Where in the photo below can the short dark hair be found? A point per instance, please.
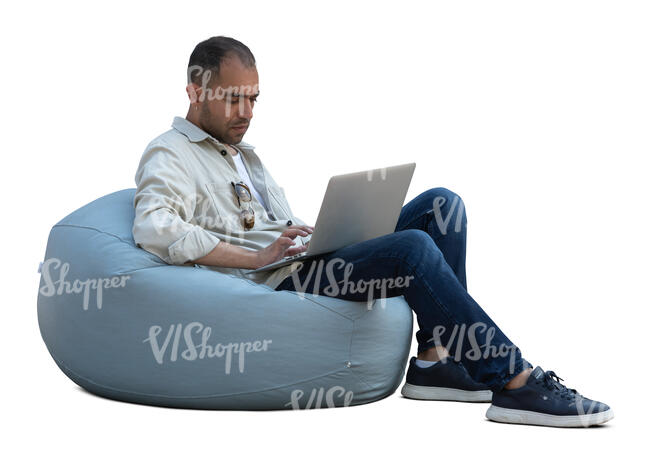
(209, 54)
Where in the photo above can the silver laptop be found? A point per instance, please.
(357, 207)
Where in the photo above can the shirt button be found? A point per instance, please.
(289, 222)
(223, 152)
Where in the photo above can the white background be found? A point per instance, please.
(536, 113)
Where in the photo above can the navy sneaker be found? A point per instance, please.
(447, 380)
(544, 401)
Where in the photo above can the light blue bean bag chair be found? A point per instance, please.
(123, 324)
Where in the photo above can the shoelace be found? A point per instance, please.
(552, 382)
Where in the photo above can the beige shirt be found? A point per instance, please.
(185, 202)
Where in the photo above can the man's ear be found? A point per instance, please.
(193, 92)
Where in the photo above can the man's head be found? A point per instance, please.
(222, 85)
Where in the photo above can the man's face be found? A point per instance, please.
(226, 107)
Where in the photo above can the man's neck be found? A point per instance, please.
(231, 149)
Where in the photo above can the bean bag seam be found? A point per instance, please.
(129, 392)
(313, 301)
(352, 372)
(95, 229)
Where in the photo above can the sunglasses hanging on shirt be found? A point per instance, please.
(244, 198)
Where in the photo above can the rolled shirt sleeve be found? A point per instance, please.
(165, 202)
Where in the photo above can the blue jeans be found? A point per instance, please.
(424, 261)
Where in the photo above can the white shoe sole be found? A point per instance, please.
(445, 394)
(503, 415)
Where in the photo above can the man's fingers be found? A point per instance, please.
(294, 232)
(306, 228)
(295, 250)
(285, 241)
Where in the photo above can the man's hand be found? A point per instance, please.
(281, 247)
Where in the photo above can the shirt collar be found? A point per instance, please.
(196, 134)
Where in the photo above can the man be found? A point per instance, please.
(204, 198)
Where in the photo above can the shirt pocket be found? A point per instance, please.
(223, 209)
(280, 204)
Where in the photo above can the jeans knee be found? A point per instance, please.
(447, 207)
(447, 196)
(415, 241)
(411, 249)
